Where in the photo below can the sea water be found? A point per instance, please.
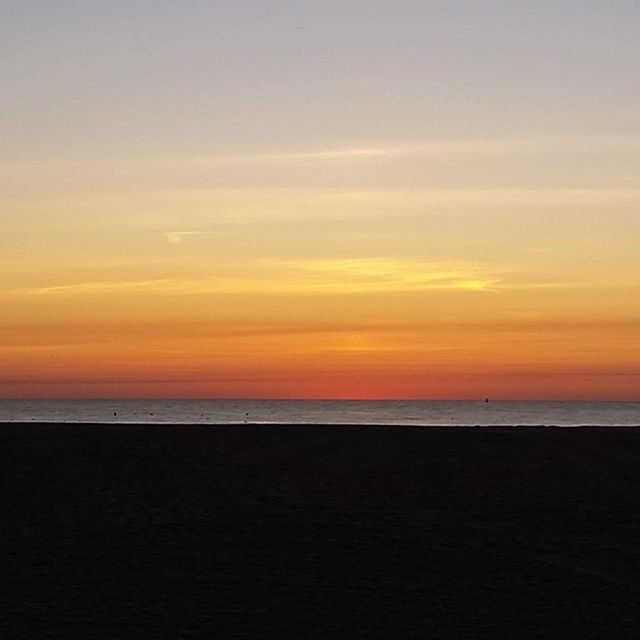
(381, 412)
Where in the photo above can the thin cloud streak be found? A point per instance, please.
(379, 149)
(318, 276)
(490, 146)
(357, 275)
(177, 237)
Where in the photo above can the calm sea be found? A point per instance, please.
(434, 413)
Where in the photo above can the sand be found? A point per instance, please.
(319, 532)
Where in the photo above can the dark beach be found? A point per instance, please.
(124, 531)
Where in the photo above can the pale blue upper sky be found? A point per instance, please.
(155, 77)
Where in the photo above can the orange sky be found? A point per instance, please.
(336, 207)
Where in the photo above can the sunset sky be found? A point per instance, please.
(319, 199)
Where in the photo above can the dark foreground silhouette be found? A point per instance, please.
(319, 532)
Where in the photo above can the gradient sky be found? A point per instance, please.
(354, 199)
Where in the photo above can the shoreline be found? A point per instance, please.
(312, 425)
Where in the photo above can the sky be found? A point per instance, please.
(319, 199)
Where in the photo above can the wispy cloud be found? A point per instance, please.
(322, 276)
(493, 198)
(389, 274)
(95, 287)
(444, 147)
(335, 276)
(553, 143)
(340, 153)
(176, 237)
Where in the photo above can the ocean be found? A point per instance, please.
(327, 412)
